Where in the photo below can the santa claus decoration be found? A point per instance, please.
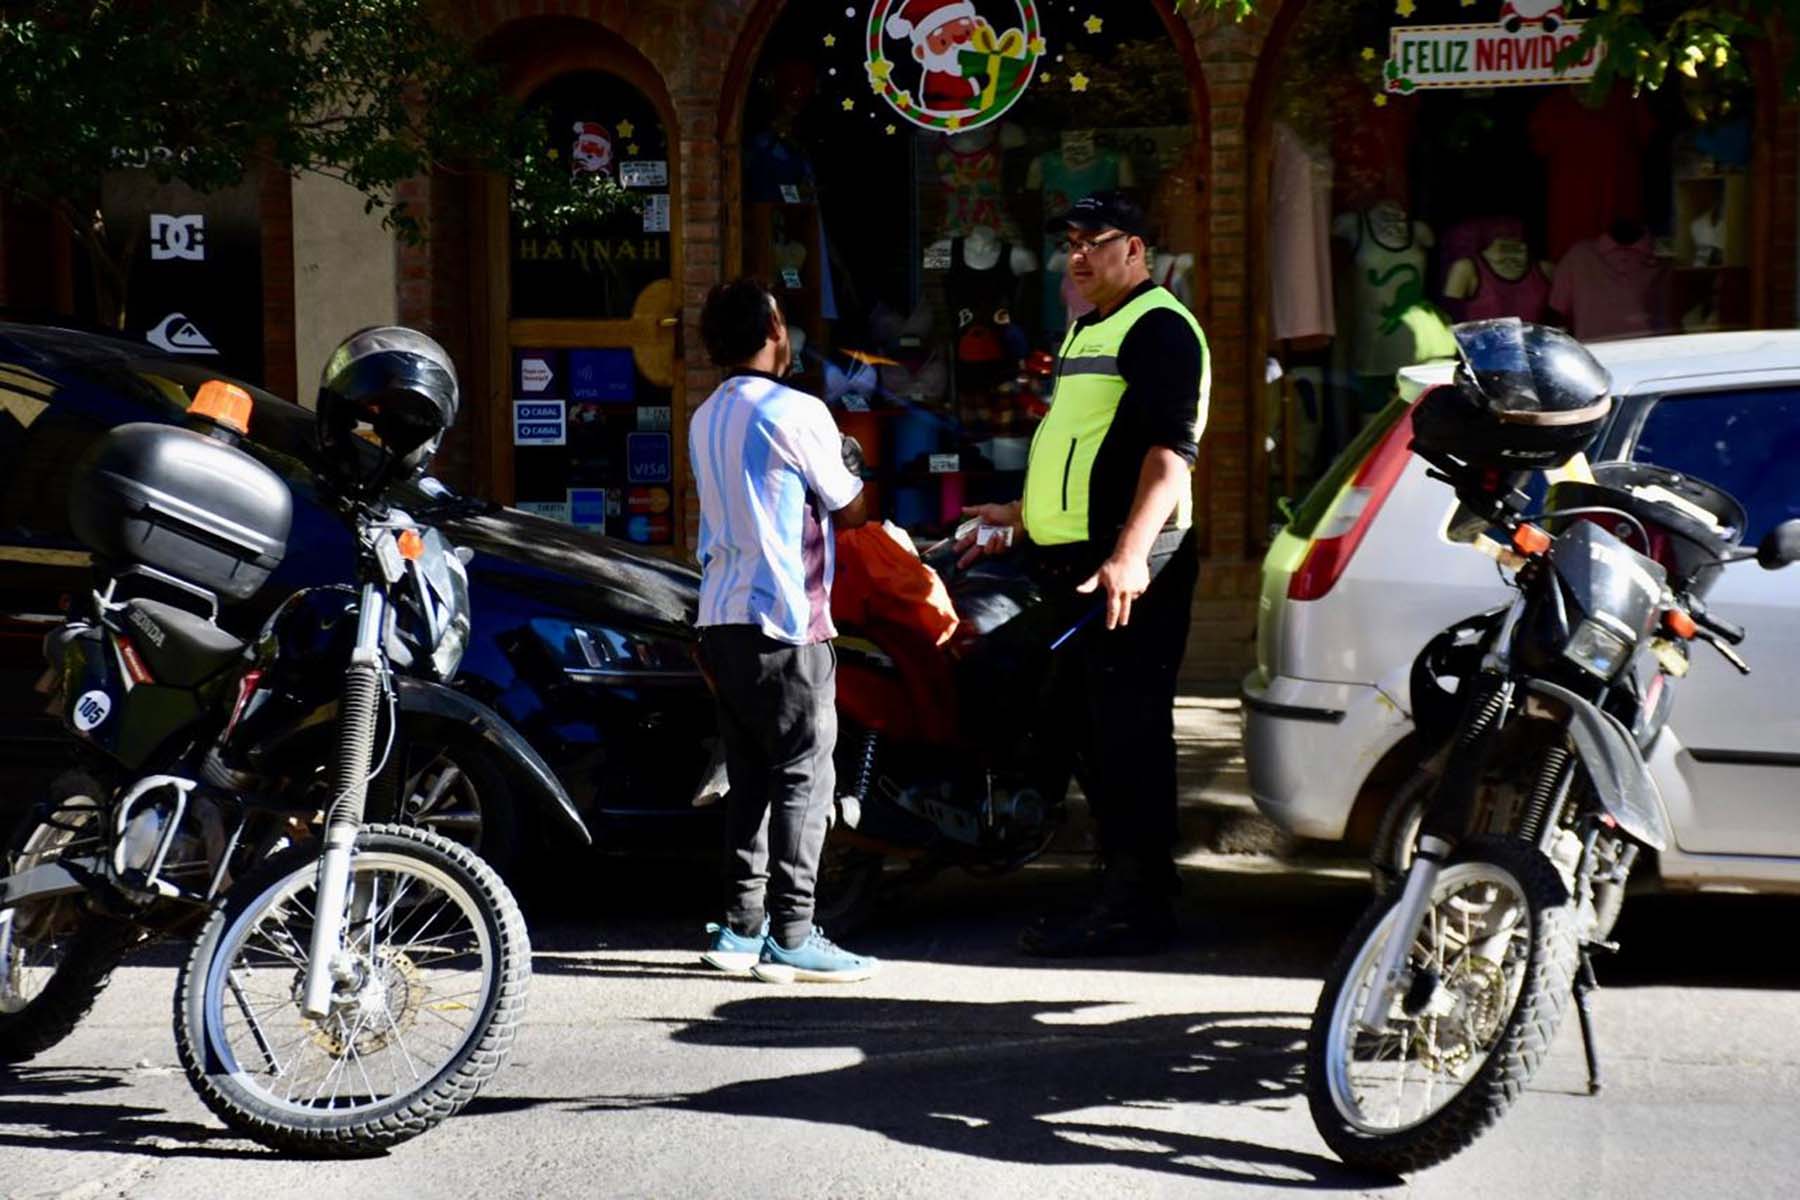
(940, 30)
(593, 151)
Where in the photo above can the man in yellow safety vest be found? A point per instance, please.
(1108, 514)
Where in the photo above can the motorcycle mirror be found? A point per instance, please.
(1780, 546)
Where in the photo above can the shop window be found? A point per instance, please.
(899, 163)
(1431, 169)
(591, 378)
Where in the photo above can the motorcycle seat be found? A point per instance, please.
(180, 648)
(988, 594)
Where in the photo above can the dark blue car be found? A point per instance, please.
(582, 643)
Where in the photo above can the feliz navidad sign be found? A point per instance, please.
(946, 65)
(1520, 49)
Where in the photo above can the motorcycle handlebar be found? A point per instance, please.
(1730, 631)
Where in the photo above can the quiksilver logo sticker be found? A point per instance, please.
(93, 708)
(178, 335)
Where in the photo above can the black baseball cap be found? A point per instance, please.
(1102, 210)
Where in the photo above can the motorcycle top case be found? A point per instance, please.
(184, 503)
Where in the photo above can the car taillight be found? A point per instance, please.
(1342, 532)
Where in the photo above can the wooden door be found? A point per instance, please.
(585, 348)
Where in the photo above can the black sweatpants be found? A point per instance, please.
(778, 717)
(1114, 692)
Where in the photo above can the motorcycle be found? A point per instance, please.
(947, 755)
(1452, 985)
(350, 984)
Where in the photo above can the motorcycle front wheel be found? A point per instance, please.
(430, 992)
(1490, 974)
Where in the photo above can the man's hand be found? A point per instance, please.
(1125, 578)
(969, 549)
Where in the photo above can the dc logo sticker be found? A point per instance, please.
(942, 65)
(177, 237)
(93, 708)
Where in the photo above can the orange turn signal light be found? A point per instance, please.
(1680, 624)
(412, 546)
(224, 404)
(1529, 540)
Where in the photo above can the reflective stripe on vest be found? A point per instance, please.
(1088, 390)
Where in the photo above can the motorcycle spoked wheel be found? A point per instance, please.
(439, 970)
(58, 955)
(1493, 968)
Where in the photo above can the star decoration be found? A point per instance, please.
(626, 129)
(849, 104)
(1093, 25)
(1078, 82)
(632, 149)
(880, 69)
(553, 154)
(1380, 100)
(1038, 45)
(904, 100)
(1048, 76)
(1405, 8)
(1368, 53)
(954, 122)
(891, 131)
(830, 39)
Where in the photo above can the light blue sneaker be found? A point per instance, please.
(817, 960)
(732, 952)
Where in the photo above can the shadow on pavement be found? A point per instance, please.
(1234, 922)
(1021, 1082)
(1231, 924)
(1704, 941)
(91, 1126)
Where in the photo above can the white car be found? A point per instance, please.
(1364, 576)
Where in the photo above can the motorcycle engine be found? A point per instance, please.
(149, 859)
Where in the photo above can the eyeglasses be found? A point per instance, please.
(1072, 246)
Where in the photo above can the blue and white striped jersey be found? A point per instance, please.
(770, 472)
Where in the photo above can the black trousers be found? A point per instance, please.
(778, 717)
(1113, 696)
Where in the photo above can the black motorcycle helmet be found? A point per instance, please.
(400, 386)
(1525, 397)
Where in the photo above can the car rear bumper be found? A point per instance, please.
(1309, 746)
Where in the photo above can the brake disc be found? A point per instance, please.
(1450, 1042)
(385, 1006)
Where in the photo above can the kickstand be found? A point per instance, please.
(1586, 984)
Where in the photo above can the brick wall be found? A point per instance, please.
(1220, 647)
(1784, 241)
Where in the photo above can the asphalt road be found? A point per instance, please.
(967, 1070)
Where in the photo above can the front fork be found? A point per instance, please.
(329, 962)
(1449, 815)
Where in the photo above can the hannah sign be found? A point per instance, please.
(1513, 52)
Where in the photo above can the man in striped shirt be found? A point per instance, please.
(769, 465)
